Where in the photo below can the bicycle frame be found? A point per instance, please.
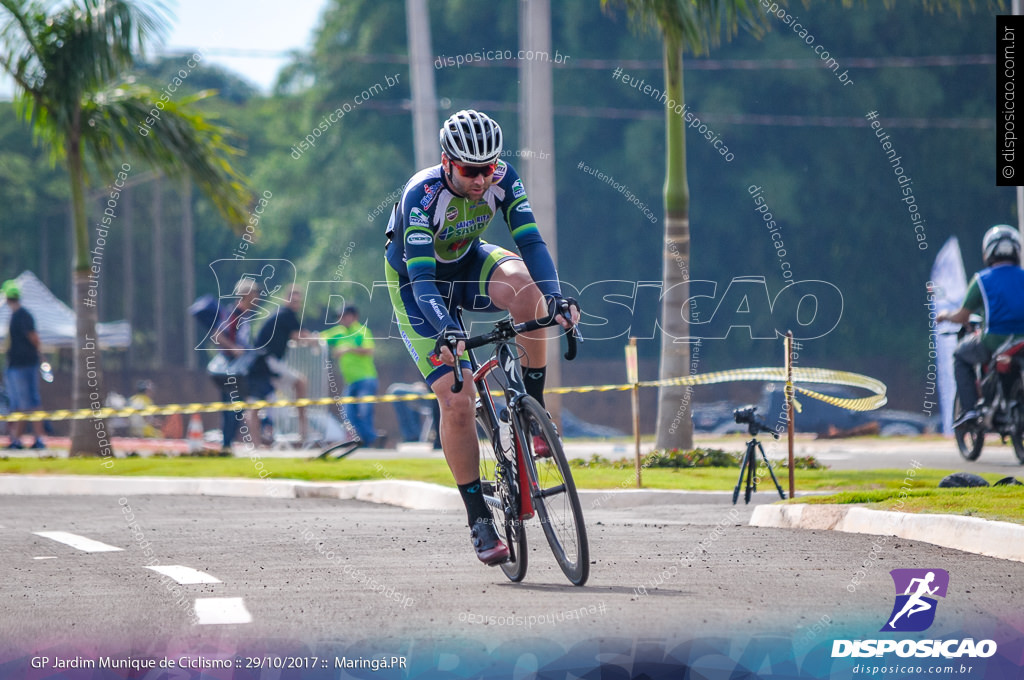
(506, 362)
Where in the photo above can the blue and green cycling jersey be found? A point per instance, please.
(433, 229)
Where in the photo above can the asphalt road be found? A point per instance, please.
(308, 573)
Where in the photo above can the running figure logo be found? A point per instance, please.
(914, 609)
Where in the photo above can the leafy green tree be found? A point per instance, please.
(695, 25)
(67, 62)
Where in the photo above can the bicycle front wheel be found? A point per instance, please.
(504, 504)
(553, 491)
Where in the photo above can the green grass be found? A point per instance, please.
(350, 469)
(436, 471)
(873, 488)
(1003, 503)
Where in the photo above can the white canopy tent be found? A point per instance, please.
(55, 321)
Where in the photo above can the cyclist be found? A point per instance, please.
(435, 260)
(999, 290)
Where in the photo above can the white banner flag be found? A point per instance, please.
(948, 286)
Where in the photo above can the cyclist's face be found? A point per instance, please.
(470, 187)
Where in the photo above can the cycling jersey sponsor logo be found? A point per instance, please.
(435, 360)
(464, 228)
(456, 246)
(499, 172)
(429, 192)
(451, 214)
(517, 189)
(524, 207)
(437, 309)
(419, 218)
(418, 238)
(408, 345)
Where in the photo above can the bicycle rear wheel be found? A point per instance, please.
(554, 492)
(504, 503)
(970, 437)
(1016, 416)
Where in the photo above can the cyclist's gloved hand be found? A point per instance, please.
(565, 307)
(449, 338)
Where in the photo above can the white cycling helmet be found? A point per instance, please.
(471, 137)
(1001, 243)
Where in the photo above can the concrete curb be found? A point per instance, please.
(406, 494)
(969, 534)
(401, 493)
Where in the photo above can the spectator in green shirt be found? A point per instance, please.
(351, 344)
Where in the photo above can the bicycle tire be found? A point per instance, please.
(346, 449)
(504, 504)
(970, 437)
(1017, 421)
(554, 492)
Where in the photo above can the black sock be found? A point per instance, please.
(533, 379)
(476, 506)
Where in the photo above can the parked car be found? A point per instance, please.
(814, 416)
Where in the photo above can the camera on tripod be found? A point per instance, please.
(748, 415)
(755, 424)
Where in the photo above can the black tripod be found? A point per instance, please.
(749, 463)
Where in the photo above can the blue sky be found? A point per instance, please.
(225, 28)
(249, 38)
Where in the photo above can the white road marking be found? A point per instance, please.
(50, 557)
(78, 542)
(185, 575)
(221, 610)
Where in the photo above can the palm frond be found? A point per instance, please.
(697, 25)
(127, 119)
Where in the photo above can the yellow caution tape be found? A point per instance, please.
(807, 375)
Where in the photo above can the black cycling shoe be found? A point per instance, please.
(489, 548)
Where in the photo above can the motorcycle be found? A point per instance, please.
(1001, 409)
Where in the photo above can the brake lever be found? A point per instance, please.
(457, 368)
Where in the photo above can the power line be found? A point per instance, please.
(765, 120)
(942, 60)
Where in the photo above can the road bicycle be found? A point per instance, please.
(517, 483)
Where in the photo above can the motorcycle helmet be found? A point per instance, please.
(1001, 244)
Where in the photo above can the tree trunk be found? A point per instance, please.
(675, 427)
(87, 379)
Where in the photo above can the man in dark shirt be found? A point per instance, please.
(22, 375)
(272, 373)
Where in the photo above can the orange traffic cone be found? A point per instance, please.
(195, 433)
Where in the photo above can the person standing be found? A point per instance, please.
(272, 373)
(351, 343)
(234, 339)
(22, 375)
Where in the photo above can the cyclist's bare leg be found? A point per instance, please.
(512, 289)
(458, 427)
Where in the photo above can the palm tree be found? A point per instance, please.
(69, 64)
(692, 25)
